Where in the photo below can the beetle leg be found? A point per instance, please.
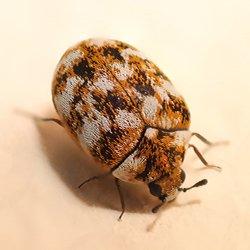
(93, 178)
(117, 183)
(202, 158)
(52, 120)
(206, 141)
(156, 208)
(202, 138)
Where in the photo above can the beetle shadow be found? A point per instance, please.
(173, 204)
(73, 167)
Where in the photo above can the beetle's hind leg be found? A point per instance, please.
(198, 153)
(94, 178)
(52, 120)
(117, 183)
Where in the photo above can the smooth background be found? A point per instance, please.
(203, 46)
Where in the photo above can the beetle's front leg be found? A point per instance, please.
(197, 152)
(156, 208)
(206, 141)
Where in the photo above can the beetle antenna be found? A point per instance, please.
(197, 184)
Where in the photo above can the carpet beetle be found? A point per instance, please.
(123, 111)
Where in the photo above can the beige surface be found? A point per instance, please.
(203, 46)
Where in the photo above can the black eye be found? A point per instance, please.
(155, 189)
(183, 176)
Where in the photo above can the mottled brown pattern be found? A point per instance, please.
(163, 156)
(140, 85)
(88, 101)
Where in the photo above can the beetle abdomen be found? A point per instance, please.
(107, 93)
(94, 107)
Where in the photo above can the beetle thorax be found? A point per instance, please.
(157, 155)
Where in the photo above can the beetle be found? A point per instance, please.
(125, 113)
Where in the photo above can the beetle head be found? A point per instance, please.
(166, 188)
